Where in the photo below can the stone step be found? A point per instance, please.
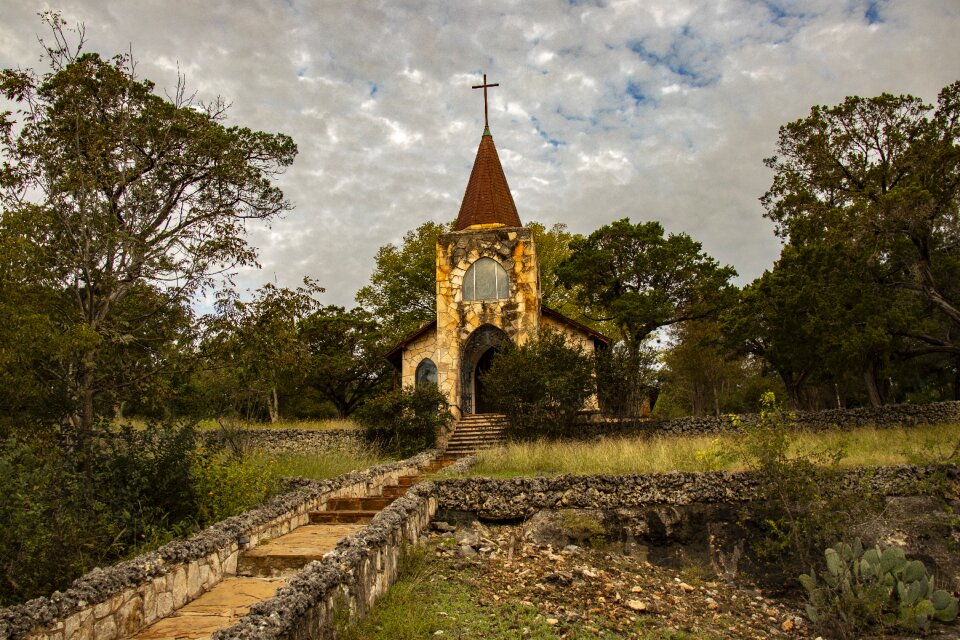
(394, 490)
(408, 481)
(290, 552)
(462, 440)
(220, 607)
(369, 503)
(347, 516)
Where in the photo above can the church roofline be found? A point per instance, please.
(395, 355)
(592, 333)
(487, 199)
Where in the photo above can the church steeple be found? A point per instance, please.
(487, 200)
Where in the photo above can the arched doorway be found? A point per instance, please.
(478, 352)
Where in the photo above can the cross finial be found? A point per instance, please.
(486, 117)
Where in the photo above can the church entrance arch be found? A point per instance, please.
(478, 352)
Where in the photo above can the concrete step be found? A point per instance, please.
(290, 552)
(347, 516)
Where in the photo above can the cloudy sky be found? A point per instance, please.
(648, 109)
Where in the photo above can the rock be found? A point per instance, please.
(438, 525)
(787, 625)
(467, 551)
(552, 621)
(637, 605)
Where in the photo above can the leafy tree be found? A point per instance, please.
(819, 317)
(700, 376)
(634, 276)
(540, 385)
(402, 292)
(403, 422)
(346, 364)
(108, 189)
(881, 176)
(258, 345)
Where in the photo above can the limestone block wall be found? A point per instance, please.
(290, 440)
(115, 602)
(346, 583)
(423, 347)
(593, 425)
(573, 337)
(518, 315)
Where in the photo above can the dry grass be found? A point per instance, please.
(320, 464)
(629, 455)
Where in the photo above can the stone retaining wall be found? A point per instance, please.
(290, 440)
(117, 601)
(518, 498)
(346, 583)
(898, 415)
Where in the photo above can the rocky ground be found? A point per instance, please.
(573, 592)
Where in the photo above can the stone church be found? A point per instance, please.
(488, 292)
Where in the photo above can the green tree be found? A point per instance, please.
(639, 279)
(820, 318)
(346, 364)
(540, 385)
(701, 377)
(258, 345)
(882, 177)
(107, 188)
(402, 292)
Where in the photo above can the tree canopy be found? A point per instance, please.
(108, 189)
(641, 280)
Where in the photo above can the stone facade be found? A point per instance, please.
(459, 344)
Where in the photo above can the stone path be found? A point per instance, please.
(266, 568)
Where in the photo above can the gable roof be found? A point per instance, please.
(395, 355)
(487, 200)
(594, 335)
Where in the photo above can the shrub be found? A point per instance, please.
(861, 588)
(66, 511)
(540, 386)
(405, 421)
(805, 504)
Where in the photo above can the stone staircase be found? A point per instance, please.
(267, 567)
(476, 432)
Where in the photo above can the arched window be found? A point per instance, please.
(485, 280)
(426, 373)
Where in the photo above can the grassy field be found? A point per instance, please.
(320, 464)
(616, 455)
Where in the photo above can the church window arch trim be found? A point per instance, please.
(486, 279)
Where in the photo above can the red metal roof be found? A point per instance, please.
(487, 199)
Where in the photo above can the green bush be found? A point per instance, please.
(540, 386)
(66, 511)
(806, 501)
(405, 421)
(862, 588)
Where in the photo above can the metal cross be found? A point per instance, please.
(486, 118)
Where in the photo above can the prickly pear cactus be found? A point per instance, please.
(863, 587)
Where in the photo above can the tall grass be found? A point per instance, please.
(628, 455)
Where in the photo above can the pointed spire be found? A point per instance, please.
(487, 200)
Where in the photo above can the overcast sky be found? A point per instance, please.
(648, 109)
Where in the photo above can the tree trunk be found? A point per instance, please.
(873, 388)
(273, 405)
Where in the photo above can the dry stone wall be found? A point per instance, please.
(115, 602)
(519, 498)
(290, 440)
(593, 425)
